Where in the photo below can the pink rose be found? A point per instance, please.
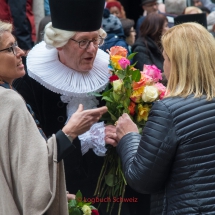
(123, 62)
(161, 89)
(153, 72)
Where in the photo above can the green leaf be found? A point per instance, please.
(94, 94)
(120, 75)
(87, 203)
(126, 102)
(128, 92)
(72, 203)
(111, 180)
(107, 99)
(107, 93)
(78, 196)
(133, 64)
(136, 75)
(120, 106)
(116, 96)
(76, 211)
(112, 116)
(131, 55)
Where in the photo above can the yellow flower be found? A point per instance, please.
(137, 94)
(115, 60)
(86, 210)
(143, 112)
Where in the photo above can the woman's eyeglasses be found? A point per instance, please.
(84, 44)
(12, 48)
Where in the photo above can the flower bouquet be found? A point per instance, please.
(133, 92)
(79, 207)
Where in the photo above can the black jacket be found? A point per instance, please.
(147, 53)
(175, 157)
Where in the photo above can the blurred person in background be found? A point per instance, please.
(115, 34)
(192, 10)
(173, 9)
(148, 45)
(148, 6)
(116, 8)
(129, 32)
(211, 23)
(205, 10)
(20, 13)
(205, 3)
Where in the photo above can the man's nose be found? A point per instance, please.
(90, 45)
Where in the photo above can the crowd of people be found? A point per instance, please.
(54, 58)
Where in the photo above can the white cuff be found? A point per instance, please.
(94, 139)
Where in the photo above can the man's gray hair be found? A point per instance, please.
(175, 6)
(56, 38)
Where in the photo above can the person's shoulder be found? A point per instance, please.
(178, 102)
(138, 43)
(140, 20)
(11, 99)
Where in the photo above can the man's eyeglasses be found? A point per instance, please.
(84, 44)
(12, 48)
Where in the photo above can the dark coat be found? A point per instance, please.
(175, 157)
(147, 53)
(81, 172)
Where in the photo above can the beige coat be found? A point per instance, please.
(31, 180)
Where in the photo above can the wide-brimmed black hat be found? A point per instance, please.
(199, 18)
(77, 15)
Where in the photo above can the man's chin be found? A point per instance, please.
(86, 68)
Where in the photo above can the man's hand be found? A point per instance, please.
(124, 126)
(82, 120)
(110, 135)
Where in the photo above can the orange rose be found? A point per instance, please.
(131, 108)
(143, 81)
(118, 50)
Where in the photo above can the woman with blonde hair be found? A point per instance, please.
(173, 160)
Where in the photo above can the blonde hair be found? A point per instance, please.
(56, 38)
(5, 26)
(192, 10)
(191, 50)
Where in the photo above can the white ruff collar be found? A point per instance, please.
(44, 66)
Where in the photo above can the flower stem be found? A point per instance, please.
(120, 204)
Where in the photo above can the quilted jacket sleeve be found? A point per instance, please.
(147, 159)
